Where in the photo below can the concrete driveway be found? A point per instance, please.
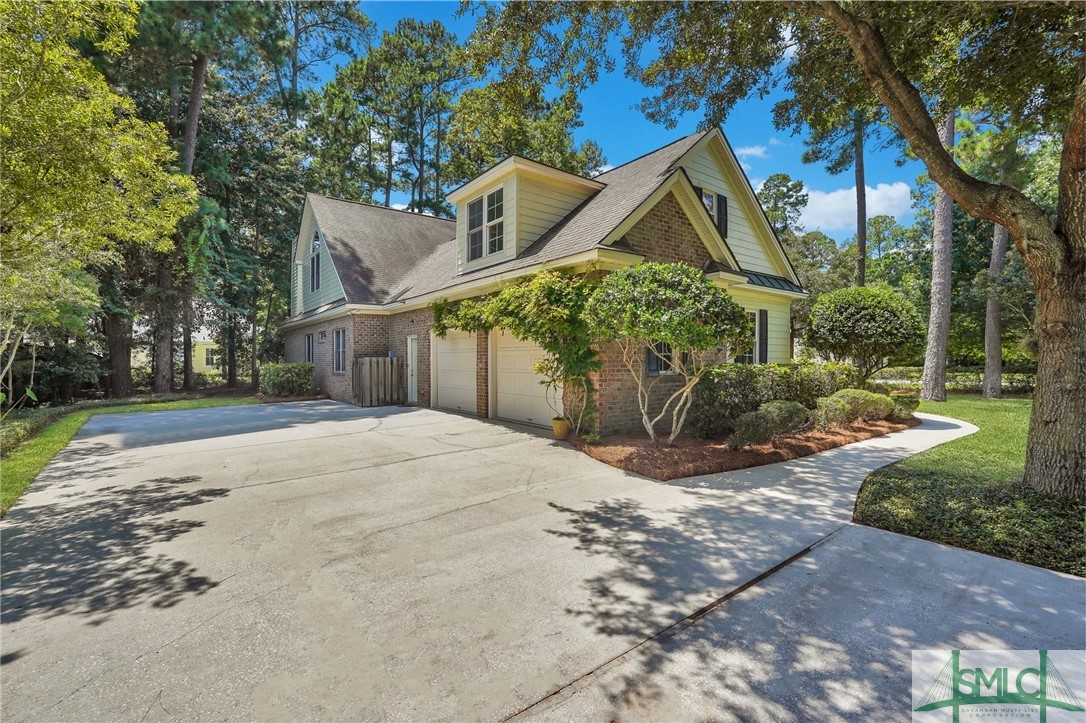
(316, 560)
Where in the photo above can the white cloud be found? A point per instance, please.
(746, 166)
(836, 210)
(603, 169)
(790, 43)
(776, 142)
(751, 152)
(399, 206)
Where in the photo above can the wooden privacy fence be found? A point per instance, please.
(379, 381)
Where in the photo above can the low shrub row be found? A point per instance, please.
(847, 406)
(728, 391)
(286, 380)
(23, 424)
(958, 379)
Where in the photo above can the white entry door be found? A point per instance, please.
(455, 367)
(412, 369)
(518, 395)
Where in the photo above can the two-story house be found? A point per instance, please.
(364, 276)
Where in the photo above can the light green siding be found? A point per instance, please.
(778, 310)
(330, 287)
(745, 241)
(540, 205)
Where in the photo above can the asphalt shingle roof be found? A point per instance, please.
(384, 255)
(628, 186)
(374, 247)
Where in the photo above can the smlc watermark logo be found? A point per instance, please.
(1041, 686)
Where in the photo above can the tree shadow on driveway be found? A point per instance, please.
(94, 557)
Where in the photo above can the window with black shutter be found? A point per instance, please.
(722, 215)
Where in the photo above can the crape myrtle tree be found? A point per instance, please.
(673, 312)
(1016, 60)
(870, 327)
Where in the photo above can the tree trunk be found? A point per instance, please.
(388, 166)
(993, 317)
(232, 352)
(933, 384)
(1056, 450)
(118, 332)
(186, 333)
(192, 113)
(861, 199)
(164, 323)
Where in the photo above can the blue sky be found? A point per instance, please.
(624, 134)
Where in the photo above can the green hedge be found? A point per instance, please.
(771, 420)
(286, 380)
(852, 405)
(728, 391)
(22, 424)
(958, 379)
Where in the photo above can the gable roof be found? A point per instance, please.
(385, 255)
(373, 247)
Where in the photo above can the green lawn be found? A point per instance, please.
(25, 463)
(968, 493)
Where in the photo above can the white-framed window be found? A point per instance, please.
(709, 199)
(315, 270)
(339, 350)
(749, 356)
(322, 337)
(211, 357)
(486, 230)
(309, 347)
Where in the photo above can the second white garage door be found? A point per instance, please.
(518, 395)
(455, 367)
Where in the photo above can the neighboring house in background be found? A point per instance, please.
(363, 276)
(205, 357)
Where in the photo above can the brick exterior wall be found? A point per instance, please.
(482, 380)
(666, 234)
(663, 234)
(415, 323)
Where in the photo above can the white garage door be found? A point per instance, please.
(455, 367)
(518, 395)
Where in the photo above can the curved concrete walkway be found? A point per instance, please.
(318, 560)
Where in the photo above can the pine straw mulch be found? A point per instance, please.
(692, 456)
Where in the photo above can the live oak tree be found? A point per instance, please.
(1015, 60)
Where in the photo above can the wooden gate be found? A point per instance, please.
(379, 381)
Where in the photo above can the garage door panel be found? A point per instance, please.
(456, 371)
(518, 394)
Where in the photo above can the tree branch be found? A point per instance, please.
(1027, 222)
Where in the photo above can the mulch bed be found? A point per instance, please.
(692, 456)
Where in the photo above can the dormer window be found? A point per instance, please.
(492, 231)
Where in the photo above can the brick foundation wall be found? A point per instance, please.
(416, 323)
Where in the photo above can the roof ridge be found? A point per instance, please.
(379, 207)
(649, 153)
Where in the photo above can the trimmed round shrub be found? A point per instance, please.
(788, 417)
(905, 403)
(832, 412)
(286, 380)
(870, 327)
(863, 404)
(772, 420)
